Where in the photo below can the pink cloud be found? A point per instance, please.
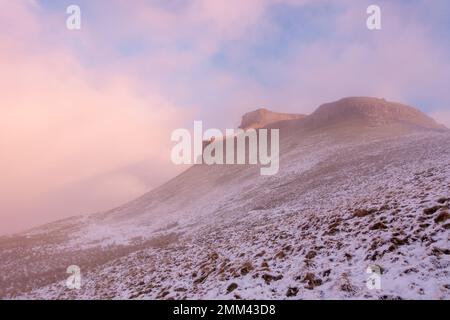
(62, 124)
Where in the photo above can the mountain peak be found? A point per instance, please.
(371, 110)
(262, 117)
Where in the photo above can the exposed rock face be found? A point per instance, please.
(262, 117)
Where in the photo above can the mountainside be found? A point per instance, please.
(362, 182)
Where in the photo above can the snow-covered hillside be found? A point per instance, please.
(363, 182)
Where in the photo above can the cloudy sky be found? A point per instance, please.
(86, 115)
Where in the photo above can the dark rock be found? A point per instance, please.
(430, 211)
(232, 287)
(311, 254)
(360, 213)
(292, 292)
(442, 217)
(312, 281)
(268, 278)
(378, 226)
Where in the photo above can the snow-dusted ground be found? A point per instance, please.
(343, 201)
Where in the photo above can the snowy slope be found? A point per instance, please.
(362, 182)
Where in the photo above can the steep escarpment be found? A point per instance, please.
(262, 117)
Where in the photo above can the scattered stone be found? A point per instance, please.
(430, 211)
(392, 248)
(311, 254)
(232, 287)
(347, 287)
(258, 255)
(268, 278)
(442, 217)
(326, 273)
(312, 281)
(214, 256)
(292, 292)
(378, 226)
(280, 255)
(163, 293)
(399, 242)
(200, 279)
(438, 251)
(246, 268)
(360, 213)
(411, 270)
(332, 231)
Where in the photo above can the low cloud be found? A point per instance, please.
(63, 125)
